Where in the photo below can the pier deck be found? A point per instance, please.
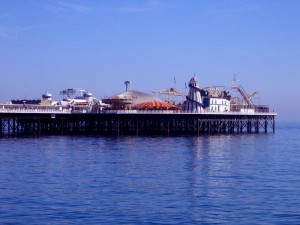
(118, 122)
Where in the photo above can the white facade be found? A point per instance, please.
(247, 111)
(219, 105)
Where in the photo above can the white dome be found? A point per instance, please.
(47, 95)
(87, 94)
(137, 97)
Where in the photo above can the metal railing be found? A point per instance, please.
(18, 109)
(61, 110)
(184, 112)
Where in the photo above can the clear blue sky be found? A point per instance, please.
(98, 44)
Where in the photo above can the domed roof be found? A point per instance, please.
(47, 95)
(155, 105)
(137, 97)
(87, 94)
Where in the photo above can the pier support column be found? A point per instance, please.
(231, 127)
(266, 125)
(8, 127)
(118, 126)
(168, 126)
(33, 127)
(1, 127)
(241, 124)
(137, 126)
(62, 126)
(249, 126)
(257, 126)
(39, 126)
(14, 126)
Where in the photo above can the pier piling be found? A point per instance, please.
(138, 124)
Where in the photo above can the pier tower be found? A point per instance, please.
(193, 100)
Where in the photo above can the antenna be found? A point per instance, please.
(128, 84)
(235, 80)
(174, 83)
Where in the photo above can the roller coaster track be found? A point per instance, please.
(241, 90)
(244, 95)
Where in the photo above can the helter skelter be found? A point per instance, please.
(193, 99)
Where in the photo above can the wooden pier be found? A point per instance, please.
(123, 122)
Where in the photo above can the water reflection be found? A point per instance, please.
(231, 179)
(219, 175)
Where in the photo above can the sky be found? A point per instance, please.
(97, 45)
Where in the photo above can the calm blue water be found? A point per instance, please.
(221, 179)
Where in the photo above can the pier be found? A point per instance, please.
(133, 122)
(211, 110)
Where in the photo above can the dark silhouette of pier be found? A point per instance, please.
(124, 123)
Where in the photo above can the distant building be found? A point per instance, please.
(215, 100)
(214, 104)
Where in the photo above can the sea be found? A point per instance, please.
(207, 179)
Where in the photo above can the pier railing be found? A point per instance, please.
(15, 121)
(68, 111)
(6, 108)
(13, 109)
(183, 112)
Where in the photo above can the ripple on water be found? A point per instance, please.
(231, 179)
